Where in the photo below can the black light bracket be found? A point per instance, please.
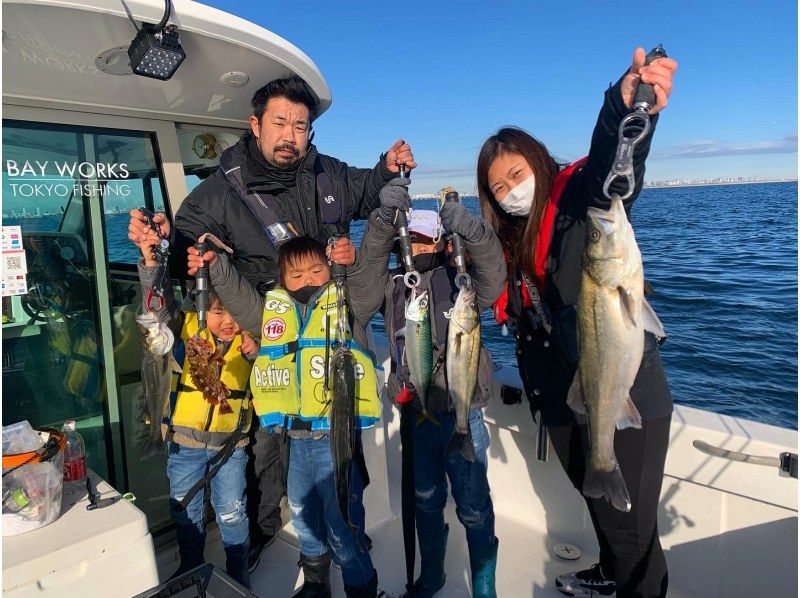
(156, 50)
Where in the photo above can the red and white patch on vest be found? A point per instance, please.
(274, 328)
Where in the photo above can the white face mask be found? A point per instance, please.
(519, 200)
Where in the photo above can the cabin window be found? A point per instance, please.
(68, 189)
(201, 148)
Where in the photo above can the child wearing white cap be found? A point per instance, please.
(374, 287)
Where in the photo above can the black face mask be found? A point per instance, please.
(428, 261)
(304, 294)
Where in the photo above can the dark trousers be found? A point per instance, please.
(630, 549)
(266, 484)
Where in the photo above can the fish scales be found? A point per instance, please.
(419, 349)
(156, 342)
(612, 316)
(463, 356)
(205, 369)
(342, 424)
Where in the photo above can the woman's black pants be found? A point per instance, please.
(630, 550)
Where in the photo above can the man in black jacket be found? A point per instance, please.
(271, 186)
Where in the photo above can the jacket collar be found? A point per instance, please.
(256, 182)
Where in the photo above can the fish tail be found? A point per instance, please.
(608, 484)
(462, 443)
(224, 407)
(426, 415)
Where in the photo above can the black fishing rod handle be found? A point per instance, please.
(201, 286)
(338, 271)
(645, 95)
(404, 237)
(458, 243)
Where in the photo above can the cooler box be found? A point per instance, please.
(105, 552)
(205, 581)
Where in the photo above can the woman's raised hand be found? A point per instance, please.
(658, 73)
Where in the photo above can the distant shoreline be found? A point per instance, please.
(720, 184)
(427, 196)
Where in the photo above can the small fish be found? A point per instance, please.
(419, 349)
(156, 340)
(612, 316)
(342, 422)
(205, 367)
(463, 356)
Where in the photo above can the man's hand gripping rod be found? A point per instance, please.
(463, 279)
(411, 277)
(633, 128)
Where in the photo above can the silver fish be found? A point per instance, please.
(157, 364)
(612, 316)
(342, 422)
(463, 355)
(419, 349)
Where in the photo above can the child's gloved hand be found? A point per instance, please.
(394, 196)
(249, 347)
(456, 219)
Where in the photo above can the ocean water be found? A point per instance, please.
(723, 262)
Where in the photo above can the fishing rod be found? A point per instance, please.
(633, 128)
(463, 279)
(201, 287)
(411, 278)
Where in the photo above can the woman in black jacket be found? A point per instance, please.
(539, 213)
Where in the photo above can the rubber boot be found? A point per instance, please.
(432, 549)
(368, 590)
(483, 563)
(236, 563)
(316, 576)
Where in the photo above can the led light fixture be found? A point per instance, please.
(156, 52)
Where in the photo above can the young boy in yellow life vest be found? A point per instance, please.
(297, 323)
(198, 435)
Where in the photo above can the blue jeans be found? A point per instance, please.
(316, 517)
(470, 487)
(186, 466)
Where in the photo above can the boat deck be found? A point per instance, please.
(526, 563)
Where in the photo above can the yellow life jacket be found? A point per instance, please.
(288, 377)
(189, 409)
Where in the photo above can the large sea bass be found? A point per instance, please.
(419, 349)
(612, 316)
(463, 355)
(157, 364)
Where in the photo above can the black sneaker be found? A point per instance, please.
(589, 582)
(254, 556)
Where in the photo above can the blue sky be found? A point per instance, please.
(445, 75)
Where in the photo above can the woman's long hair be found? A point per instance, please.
(517, 234)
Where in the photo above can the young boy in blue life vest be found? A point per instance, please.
(198, 434)
(297, 323)
(434, 463)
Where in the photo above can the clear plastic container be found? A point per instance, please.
(32, 483)
(74, 456)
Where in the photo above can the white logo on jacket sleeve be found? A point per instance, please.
(279, 307)
(274, 328)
